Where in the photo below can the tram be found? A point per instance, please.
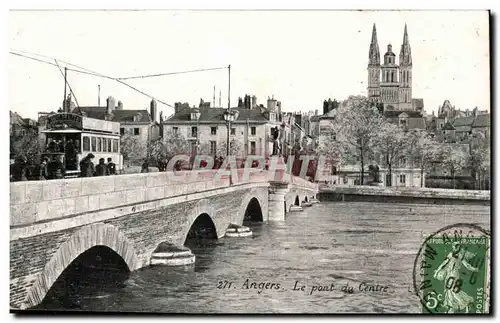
(70, 137)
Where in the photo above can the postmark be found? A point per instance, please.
(451, 270)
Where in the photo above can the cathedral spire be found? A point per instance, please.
(405, 37)
(374, 54)
(405, 54)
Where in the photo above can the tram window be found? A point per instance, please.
(115, 145)
(99, 145)
(109, 145)
(104, 145)
(86, 143)
(93, 140)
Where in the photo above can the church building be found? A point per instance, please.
(390, 83)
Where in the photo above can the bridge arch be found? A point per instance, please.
(203, 211)
(88, 237)
(251, 200)
(297, 200)
(306, 199)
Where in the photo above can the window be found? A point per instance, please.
(194, 131)
(233, 131)
(136, 131)
(109, 145)
(86, 143)
(253, 131)
(175, 130)
(104, 145)
(99, 144)
(213, 147)
(402, 122)
(402, 179)
(93, 141)
(272, 117)
(213, 130)
(122, 131)
(115, 145)
(252, 148)
(402, 161)
(346, 179)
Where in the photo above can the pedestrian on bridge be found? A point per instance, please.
(101, 169)
(86, 166)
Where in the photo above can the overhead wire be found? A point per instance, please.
(172, 73)
(89, 72)
(67, 83)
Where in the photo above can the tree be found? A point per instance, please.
(132, 149)
(390, 143)
(479, 159)
(356, 123)
(421, 149)
(454, 158)
(174, 144)
(27, 145)
(236, 148)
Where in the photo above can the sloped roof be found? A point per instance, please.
(128, 116)
(448, 126)
(482, 120)
(217, 115)
(314, 118)
(463, 128)
(467, 121)
(396, 113)
(122, 116)
(416, 123)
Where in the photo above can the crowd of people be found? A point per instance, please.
(52, 168)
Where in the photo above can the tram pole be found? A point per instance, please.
(65, 80)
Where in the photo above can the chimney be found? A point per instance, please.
(120, 105)
(254, 101)
(247, 102)
(271, 105)
(316, 112)
(110, 104)
(240, 102)
(278, 105)
(152, 110)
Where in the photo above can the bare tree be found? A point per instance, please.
(390, 141)
(357, 121)
(132, 149)
(479, 159)
(174, 144)
(27, 145)
(421, 149)
(454, 158)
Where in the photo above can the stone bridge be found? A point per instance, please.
(54, 222)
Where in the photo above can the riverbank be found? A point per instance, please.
(403, 195)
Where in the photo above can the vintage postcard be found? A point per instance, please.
(250, 161)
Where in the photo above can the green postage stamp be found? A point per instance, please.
(455, 274)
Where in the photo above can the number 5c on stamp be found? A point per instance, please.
(455, 275)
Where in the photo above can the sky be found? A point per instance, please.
(300, 57)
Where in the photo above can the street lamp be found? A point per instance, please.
(229, 116)
(196, 114)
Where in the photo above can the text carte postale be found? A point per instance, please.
(309, 289)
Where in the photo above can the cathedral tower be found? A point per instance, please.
(374, 68)
(389, 88)
(405, 71)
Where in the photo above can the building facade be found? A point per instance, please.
(390, 81)
(139, 123)
(251, 133)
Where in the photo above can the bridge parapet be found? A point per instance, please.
(42, 201)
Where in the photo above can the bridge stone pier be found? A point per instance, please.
(54, 222)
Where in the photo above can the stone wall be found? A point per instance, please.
(416, 193)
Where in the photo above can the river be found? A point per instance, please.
(335, 243)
